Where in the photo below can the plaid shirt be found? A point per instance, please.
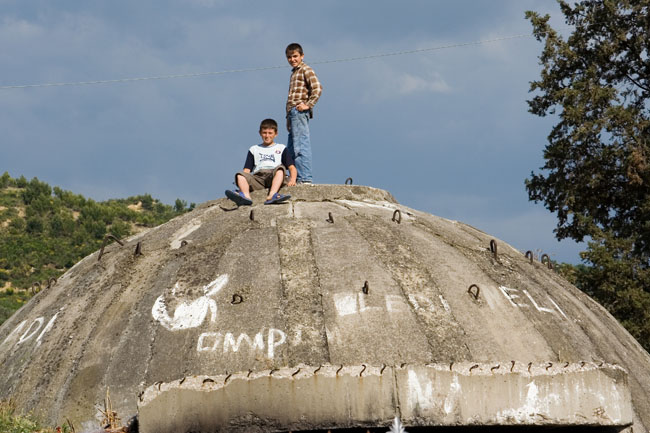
(303, 87)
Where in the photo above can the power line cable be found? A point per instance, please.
(265, 68)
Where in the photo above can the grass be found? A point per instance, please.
(11, 422)
(10, 301)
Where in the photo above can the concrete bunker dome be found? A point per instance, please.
(340, 309)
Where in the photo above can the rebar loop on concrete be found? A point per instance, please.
(362, 370)
(529, 256)
(397, 216)
(36, 284)
(251, 216)
(330, 218)
(493, 248)
(51, 282)
(237, 299)
(138, 250)
(183, 243)
(478, 290)
(348, 181)
(548, 261)
(366, 288)
(106, 238)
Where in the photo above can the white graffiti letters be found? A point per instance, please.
(31, 330)
(218, 342)
(189, 314)
(512, 296)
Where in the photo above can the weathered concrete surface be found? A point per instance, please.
(367, 396)
(128, 322)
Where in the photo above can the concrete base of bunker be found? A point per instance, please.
(333, 397)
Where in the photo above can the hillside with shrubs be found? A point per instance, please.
(45, 230)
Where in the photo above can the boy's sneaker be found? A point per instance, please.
(239, 198)
(277, 198)
(305, 182)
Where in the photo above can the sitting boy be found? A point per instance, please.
(265, 167)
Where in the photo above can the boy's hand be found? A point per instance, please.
(302, 107)
(292, 182)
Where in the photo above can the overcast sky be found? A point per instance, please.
(446, 131)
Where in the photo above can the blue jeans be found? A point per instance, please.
(298, 143)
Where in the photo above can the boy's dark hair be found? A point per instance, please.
(269, 123)
(293, 47)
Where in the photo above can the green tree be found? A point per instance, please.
(34, 189)
(5, 180)
(596, 175)
(180, 205)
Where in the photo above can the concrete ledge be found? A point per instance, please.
(308, 398)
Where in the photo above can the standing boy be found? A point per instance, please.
(265, 167)
(304, 91)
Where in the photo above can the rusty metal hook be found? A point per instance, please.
(493, 248)
(478, 290)
(51, 282)
(106, 238)
(237, 299)
(548, 261)
(529, 256)
(473, 367)
(138, 250)
(348, 181)
(366, 288)
(330, 218)
(397, 216)
(183, 243)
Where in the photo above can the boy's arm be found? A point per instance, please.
(293, 174)
(250, 162)
(314, 85)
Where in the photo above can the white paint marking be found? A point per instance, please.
(452, 397)
(200, 346)
(27, 335)
(418, 396)
(539, 308)
(362, 304)
(557, 307)
(15, 332)
(47, 328)
(229, 342)
(218, 342)
(183, 232)
(511, 296)
(346, 303)
(189, 314)
(351, 303)
(272, 343)
(395, 304)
